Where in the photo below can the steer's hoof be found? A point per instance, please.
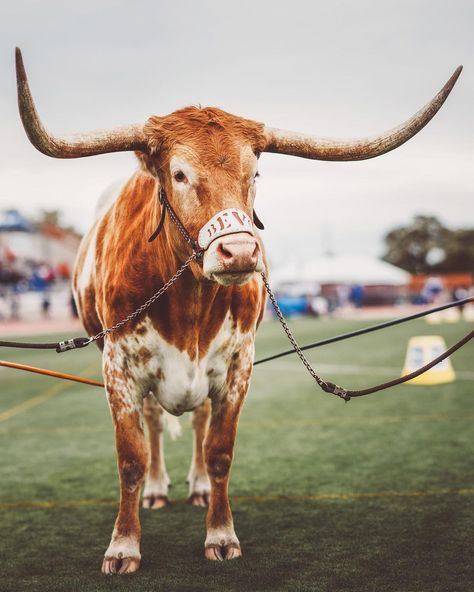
(222, 552)
(155, 502)
(200, 500)
(120, 565)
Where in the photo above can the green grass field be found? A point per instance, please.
(376, 494)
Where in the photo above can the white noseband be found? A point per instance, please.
(225, 222)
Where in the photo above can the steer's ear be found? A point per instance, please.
(154, 133)
(147, 163)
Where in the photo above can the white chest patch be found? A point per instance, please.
(179, 383)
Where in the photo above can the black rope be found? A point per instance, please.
(28, 345)
(59, 346)
(365, 330)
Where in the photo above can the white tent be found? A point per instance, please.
(342, 269)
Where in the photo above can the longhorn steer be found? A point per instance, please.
(193, 349)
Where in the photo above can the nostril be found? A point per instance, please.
(224, 251)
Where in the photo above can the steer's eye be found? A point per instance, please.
(180, 177)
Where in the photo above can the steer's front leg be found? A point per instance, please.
(123, 553)
(221, 541)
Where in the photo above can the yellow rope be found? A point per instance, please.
(52, 373)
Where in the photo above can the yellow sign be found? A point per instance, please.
(420, 351)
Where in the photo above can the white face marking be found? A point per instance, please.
(214, 265)
(180, 164)
(179, 383)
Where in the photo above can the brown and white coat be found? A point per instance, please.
(193, 350)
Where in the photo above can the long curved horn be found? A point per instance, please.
(88, 144)
(306, 146)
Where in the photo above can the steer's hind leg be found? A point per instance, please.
(199, 484)
(155, 493)
(221, 541)
(123, 553)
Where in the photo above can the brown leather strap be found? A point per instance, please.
(160, 224)
(59, 346)
(166, 206)
(346, 394)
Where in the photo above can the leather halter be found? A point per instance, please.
(167, 207)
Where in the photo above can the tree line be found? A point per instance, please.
(426, 246)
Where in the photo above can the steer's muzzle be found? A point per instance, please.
(232, 259)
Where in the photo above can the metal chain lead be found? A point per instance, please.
(149, 302)
(340, 392)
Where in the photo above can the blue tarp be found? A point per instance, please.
(11, 220)
(293, 305)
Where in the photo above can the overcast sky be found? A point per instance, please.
(335, 68)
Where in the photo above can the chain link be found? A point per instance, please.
(149, 302)
(289, 334)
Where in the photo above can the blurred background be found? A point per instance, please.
(394, 230)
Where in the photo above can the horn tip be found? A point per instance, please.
(20, 68)
(457, 72)
(448, 87)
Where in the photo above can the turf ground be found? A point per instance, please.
(376, 494)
